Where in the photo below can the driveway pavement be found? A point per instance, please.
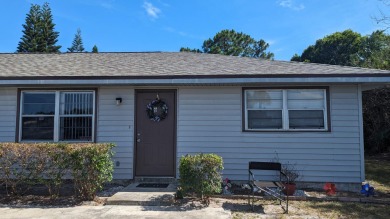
(141, 212)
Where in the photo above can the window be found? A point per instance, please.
(38, 116)
(285, 109)
(57, 116)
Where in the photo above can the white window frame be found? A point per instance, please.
(56, 113)
(285, 110)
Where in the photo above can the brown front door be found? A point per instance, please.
(155, 141)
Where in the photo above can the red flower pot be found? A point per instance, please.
(289, 189)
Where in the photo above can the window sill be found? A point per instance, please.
(43, 141)
(286, 130)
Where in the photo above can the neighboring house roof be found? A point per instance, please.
(36, 68)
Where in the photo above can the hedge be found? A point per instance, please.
(25, 164)
(201, 174)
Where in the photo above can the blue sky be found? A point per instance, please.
(289, 26)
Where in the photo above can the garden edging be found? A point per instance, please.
(370, 200)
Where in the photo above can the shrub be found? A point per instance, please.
(376, 121)
(201, 174)
(58, 165)
(23, 164)
(91, 166)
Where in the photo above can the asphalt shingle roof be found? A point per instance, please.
(156, 64)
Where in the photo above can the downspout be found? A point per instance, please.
(361, 134)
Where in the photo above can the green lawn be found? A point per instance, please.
(378, 174)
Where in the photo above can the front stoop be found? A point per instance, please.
(133, 195)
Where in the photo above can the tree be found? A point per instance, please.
(232, 43)
(376, 120)
(187, 49)
(77, 44)
(351, 49)
(339, 48)
(383, 18)
(95, 49)
(49, 36)
(31, 34)
(38, 33)
(296, 58)
(374, 51)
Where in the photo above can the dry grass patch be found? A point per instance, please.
(340, 210)
(377, 174)
(304, 209)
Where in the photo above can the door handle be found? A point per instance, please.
(138, 140)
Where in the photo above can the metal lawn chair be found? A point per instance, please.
(271, 188)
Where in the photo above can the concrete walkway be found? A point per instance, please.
(141, 212)
(133, 195)
(131, 202)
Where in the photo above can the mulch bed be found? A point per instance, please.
(38, 196)
(37, 200)
(237, 190)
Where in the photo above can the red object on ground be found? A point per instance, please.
(330, 188)
(289, 189)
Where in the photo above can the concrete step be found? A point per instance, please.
(133, 195)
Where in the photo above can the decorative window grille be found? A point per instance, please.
(76, 115)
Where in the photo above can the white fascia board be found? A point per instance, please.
(203, 81)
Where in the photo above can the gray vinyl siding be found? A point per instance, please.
(210, 121)
(8, 104)
(116, 124)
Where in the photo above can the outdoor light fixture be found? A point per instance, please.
(118, 101)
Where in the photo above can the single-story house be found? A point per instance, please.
(157, 107)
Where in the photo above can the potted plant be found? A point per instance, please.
(291, 172)
(293, 175)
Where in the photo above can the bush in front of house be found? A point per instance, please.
(91, 166)
(201, 174)
(25, 164)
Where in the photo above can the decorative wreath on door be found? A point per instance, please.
(153, 109)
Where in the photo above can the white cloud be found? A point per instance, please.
(182, 33)
(151, 10)
(270, 41)
(107, 4)
(291, 4)
(164, 4)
